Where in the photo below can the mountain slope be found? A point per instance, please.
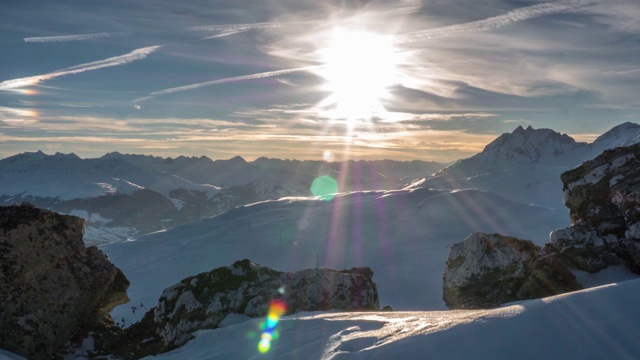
(622, 135)
(525, 165)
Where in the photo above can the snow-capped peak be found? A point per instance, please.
(622, 135)
(523, 147)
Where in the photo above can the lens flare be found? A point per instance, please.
(325, 187)
(277, 308)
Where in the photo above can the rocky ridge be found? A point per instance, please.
(204, 300)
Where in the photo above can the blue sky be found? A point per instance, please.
(432, 80)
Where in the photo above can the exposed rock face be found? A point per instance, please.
(603, 196)
(50, 284)
(485, 271)
(204, 300)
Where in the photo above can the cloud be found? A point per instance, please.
(224, 33)
(237, 27)
(232, 29)
(496, 22)
(135, 55)
(80, 37)
(233, 79)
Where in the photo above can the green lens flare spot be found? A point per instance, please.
(325, 187)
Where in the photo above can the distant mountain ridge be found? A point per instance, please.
(525, 165)
(124, 195)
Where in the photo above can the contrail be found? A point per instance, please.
(72, 37)
(236, 78)
(135, 55)
(496, 22)
(237, 27)
(224, 33)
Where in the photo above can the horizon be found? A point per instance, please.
(585, 139)
(335, 81)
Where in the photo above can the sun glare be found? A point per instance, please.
(359, 67)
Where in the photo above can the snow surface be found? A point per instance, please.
(403, 235)
(597, 323)
(6, 355)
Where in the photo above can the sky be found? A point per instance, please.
(430, 80)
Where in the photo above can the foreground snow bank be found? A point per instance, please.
(597, 323)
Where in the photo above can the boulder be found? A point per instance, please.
(51, 285)
(486, 270)
(203, 301)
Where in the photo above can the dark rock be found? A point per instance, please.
(603, 196)
(549, 276)
(51, 286)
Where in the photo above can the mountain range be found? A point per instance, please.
(403, 234)
(525, 165)
(123, 195)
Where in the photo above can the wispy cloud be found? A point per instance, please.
(6, 112)
(232, 29)
(496, 22)
(233, 79)
(80, 37)
(237, 27)
(224, 33)
(135, 55)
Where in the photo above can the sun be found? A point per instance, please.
(359, 66)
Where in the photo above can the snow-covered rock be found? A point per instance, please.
(50, 284)
(203, 301)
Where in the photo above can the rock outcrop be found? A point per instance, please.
(51, 286)
(203, 301)
(486, 270)
(603, 196)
